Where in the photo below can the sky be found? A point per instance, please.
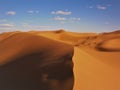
(71, 15)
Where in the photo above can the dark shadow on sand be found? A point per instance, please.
(38, 72)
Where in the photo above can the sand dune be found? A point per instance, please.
(95, 70)
(97, 64)
(29, 62)
(64, 36)
(42, 60)
(110, 45)
(110, 42)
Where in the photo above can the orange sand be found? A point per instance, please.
(96, 56)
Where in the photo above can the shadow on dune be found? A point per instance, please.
(100, 47)
(38, 71)
(106, 50)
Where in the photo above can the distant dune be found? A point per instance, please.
(59, 60)
(111, 42)
(110, 45)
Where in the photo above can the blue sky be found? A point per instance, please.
(71, 15)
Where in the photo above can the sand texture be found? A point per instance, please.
(59, 60)
(30, 62)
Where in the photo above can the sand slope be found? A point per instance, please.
(29, 62)
(63, 36)
(110, 45)
(94, 73)
(110, 42)
(46, 57)
(97, 63)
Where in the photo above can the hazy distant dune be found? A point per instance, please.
(109, 41)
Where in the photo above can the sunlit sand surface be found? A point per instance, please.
(51, 58)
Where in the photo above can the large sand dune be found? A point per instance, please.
(30, 62)
(42, 60)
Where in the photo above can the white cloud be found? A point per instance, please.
(100, 7)
(62, 12)
(41, 27)
(60, 18)
(28, 26)
(6, 25)
(32, 11)
(75, 19)
(10, 13)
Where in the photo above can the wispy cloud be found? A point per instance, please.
(10, 13)
(7, 25)
(42, 27)
(100, 7)
(60, 12)
(75, 19)
(32, 11)
(28, 26)
(59, 18)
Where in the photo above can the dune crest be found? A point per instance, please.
(44, 60)
(31, 62)
(110, 45)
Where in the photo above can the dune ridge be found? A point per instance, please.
(63, 60)
(30, 62)
(110, 45)
(100, 41)
(91, 73)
